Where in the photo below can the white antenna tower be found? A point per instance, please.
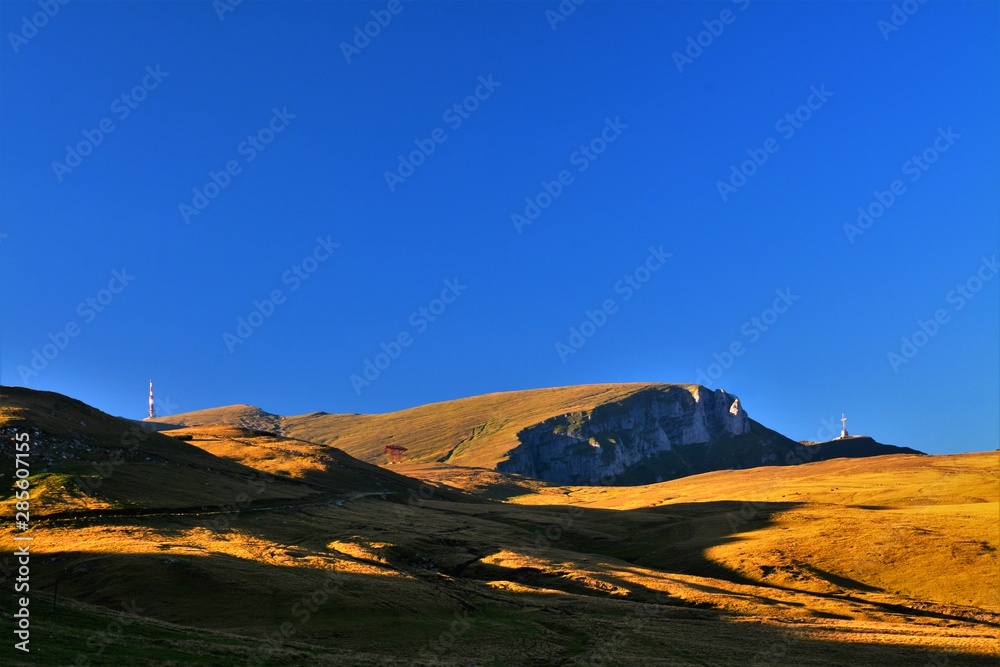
(152, 408)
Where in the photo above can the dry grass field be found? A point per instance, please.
(261, 549)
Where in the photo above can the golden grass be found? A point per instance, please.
(900, 480)
(374, 552)
(926, 527)
(878, 561)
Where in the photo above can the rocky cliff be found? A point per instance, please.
(659, 433)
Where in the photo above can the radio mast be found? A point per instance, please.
(152, 408)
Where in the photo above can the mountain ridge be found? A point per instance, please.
(631, 433)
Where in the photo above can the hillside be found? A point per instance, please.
(82, 459)
(242, 415)
(820, 564)
(593, 434)
(854, 446)
(880, 523)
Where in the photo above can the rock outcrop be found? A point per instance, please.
(659, 433)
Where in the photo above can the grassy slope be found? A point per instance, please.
(398, 575)
(918, 515)
(241, 414)
(318, 465)
(692, 571)
(84, 460)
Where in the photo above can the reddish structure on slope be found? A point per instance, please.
(395, 453)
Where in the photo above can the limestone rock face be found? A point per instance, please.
(601, 445)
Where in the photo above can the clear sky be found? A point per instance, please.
(675, 170)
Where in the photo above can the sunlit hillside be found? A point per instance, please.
(884, 561)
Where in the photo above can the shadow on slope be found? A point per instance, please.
(292, 597)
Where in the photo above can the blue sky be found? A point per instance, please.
(615, 123)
